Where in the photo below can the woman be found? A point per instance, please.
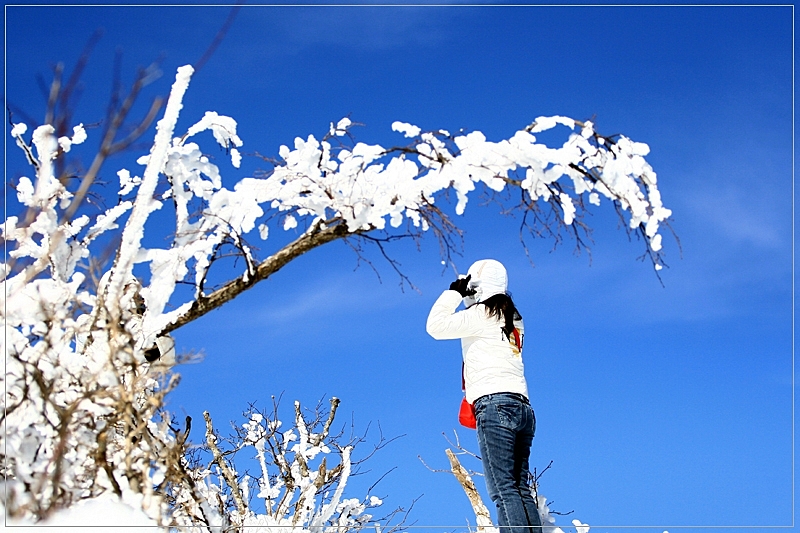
(490, 329)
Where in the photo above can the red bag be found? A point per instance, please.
(466, 414)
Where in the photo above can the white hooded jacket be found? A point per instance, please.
(492, 361)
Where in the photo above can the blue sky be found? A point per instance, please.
(659, 406)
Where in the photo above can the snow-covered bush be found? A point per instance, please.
(295, 481)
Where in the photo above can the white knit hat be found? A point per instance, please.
(488, 278)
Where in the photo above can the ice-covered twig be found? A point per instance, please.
(144, 205)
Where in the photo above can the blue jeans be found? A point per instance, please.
(506, 425)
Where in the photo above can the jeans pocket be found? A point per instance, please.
(510, 415)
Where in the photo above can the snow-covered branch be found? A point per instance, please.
(332, 188)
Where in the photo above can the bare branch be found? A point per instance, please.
(308, 241)
(230, 478)
(107, 145)
(219, 37)
(482, 516)
(319, 437)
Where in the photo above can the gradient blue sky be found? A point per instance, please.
(659, 406)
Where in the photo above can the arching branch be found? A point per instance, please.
(311, 239)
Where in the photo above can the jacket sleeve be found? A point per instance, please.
(445, 323)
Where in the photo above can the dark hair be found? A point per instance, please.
(502, 307)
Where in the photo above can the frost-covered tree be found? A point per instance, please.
(83, 410)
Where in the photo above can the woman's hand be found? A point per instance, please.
(461, 286)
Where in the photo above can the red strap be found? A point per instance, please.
(517, 339)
